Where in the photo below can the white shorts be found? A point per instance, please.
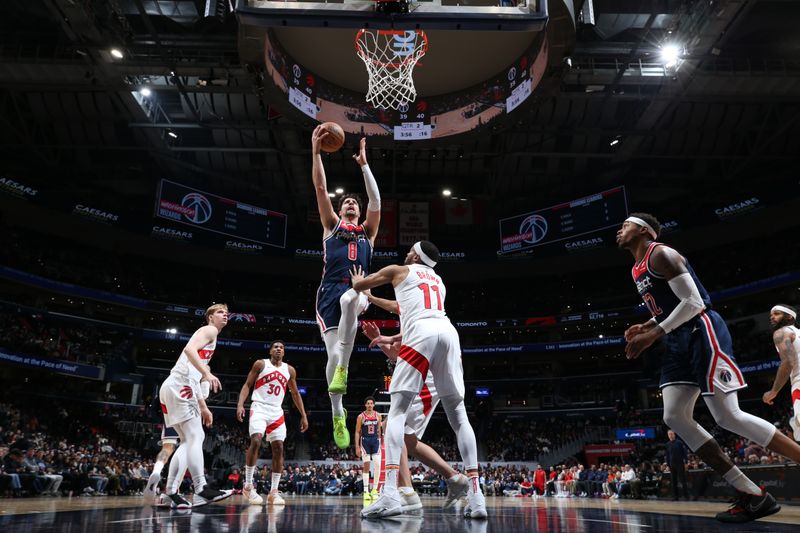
(268, 421)
(421, 410)
(178, 399)
(429, 345)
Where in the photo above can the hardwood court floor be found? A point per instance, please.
(323, 514)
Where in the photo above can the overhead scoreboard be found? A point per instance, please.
(210, 212)
(563, 221)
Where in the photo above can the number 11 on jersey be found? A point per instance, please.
(426, 293)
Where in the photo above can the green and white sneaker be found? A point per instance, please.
(341, 436)
(339, 382)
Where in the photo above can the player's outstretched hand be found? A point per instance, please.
(370, 329)
(317, 135)
(356, 274)
(769, 397)
(240, 413)
(303, 424)
(213, 382)
(361, 157)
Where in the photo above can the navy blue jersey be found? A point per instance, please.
(656, 292)
(347, 246)
(369, 426)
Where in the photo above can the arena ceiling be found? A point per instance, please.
(611, 114)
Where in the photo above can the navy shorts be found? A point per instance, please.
(329, 310)
(700, 353)
(370, 446)
(169, 434)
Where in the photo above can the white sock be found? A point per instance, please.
(248, 475)
(276, 480)
(406, 490)
(336, 404)
(390, 484)
(365, 479)
(740, 482)
(453, 478)
(157, 468)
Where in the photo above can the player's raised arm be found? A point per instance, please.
(386, 275)
(326, 213)
(258, 366)
(373, 218)
(383, 303)
(784, 342)
(202, 337)
(297, 399)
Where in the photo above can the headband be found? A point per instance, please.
(639, 222)
(422, 255)
(784, 309)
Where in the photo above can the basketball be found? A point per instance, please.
(335, 138)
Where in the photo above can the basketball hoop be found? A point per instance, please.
(390, 57)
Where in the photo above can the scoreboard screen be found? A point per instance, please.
(563, 221)
(178, 203)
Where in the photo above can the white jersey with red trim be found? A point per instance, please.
(794, 377)
(186, 370)
(420, 296)
(270, 385)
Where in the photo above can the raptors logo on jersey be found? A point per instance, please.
(270, 386)
(655, 290)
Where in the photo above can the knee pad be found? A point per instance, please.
(687, 429)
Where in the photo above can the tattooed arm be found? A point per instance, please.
(784, 342)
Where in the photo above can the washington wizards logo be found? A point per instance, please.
(725, 376)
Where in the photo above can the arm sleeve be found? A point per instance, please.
(374, 196)
(691, 303)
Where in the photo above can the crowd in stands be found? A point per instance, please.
(56, 449)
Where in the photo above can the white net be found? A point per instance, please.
(390, 58)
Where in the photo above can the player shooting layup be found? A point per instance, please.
(346, 244)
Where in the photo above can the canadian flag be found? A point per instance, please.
(458, 212)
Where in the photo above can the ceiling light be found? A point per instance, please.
(172, 134)
(144, 91)
(615, 141)
(670, 53)
(339, 190)
(446, 192)
(331, 195)
(117, 53)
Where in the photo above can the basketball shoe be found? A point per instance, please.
(410, 501)
(152, 484)
(339, 382)
(253, 498)
(387, 505)
(179, 502)
(274, 498)
(209, 495)
(747, 508)
(456, 490)
(476, 505)
(341, 436)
